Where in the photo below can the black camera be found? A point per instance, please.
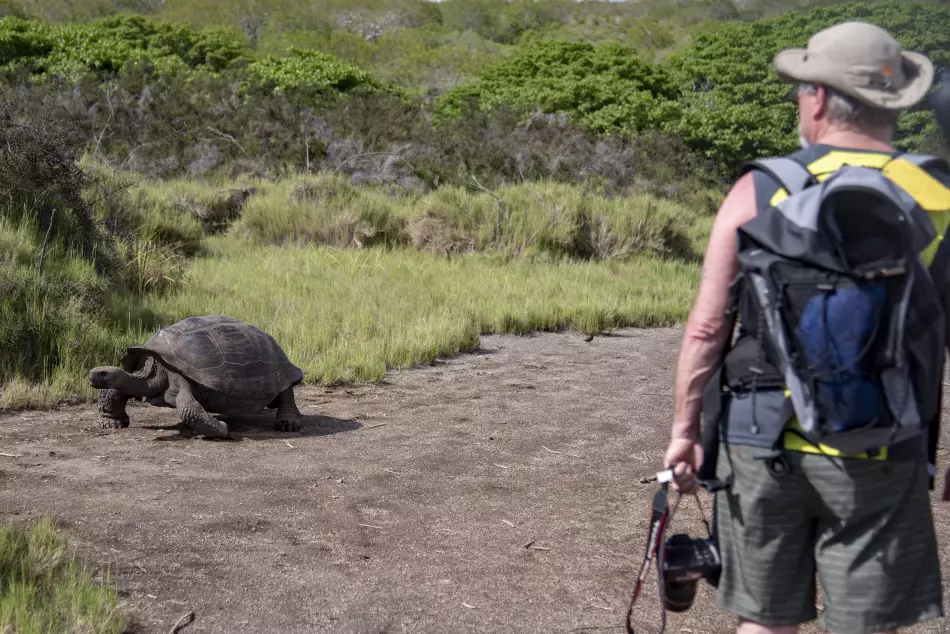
(685, 561)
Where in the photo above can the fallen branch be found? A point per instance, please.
(365, 154)
(11, 455)
(371, 526)
(182, 623)
(228, 137)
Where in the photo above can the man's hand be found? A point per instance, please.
(685, 456)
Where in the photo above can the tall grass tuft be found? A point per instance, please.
(45, 588)
(548, 218)
(54, 321)
(324, 209)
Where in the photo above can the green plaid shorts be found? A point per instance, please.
(864, 526)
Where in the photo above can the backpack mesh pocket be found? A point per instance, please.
(837, 325)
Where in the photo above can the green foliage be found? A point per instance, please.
(312, 70)
(608, 87)
(107, 45)
(41, 184)
(421, 59)
(719, 94)
(110, 46)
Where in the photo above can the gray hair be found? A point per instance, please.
(846, 110)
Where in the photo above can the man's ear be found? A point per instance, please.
(821, 102)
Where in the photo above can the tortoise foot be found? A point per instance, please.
(109, 422)
(199, 423)
(287, 424)
(208, 429)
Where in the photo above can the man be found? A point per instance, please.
(863, 523)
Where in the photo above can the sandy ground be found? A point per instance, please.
(407, 506)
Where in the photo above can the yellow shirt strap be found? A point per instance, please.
(831, 162)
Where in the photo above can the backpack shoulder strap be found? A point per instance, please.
(788, 172)
(926, 161)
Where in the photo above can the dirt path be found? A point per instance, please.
(403, 507)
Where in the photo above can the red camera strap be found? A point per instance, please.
(659, 519)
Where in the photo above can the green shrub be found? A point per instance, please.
(107, 45)
(45, 316)
(42, 185)
(608, 88)
(318, 72)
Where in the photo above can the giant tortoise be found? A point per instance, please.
(199, 365)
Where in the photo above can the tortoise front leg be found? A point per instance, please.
(193, 415)
(112, 409)
(288, 416)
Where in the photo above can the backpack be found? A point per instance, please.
(846, 307)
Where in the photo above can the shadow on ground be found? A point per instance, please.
(261, 427)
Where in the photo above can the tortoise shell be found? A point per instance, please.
(223, 355)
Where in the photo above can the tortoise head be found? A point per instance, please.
(107, 377)
(149, 380)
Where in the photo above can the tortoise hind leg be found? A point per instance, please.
(288, 416)
(193, 415)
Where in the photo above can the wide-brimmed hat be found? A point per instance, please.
(861, 60)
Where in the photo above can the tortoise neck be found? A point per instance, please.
(150, 380)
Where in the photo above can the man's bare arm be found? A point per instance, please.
(707, 329)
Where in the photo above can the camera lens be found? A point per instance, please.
(679, 596)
